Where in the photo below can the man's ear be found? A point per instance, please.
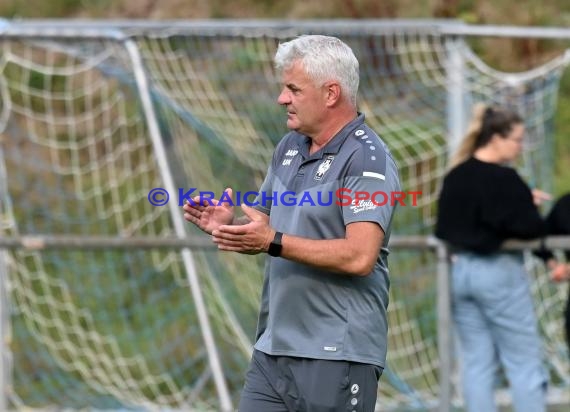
(333, 93)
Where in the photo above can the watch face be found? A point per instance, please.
(274, 249)
(275, 246)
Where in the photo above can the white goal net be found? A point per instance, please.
(118, 328)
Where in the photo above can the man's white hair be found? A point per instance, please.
(324, 58)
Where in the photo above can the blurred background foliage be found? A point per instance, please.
(501, 54)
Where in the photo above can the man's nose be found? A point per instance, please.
(283, 98)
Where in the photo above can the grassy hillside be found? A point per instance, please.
(512, 12)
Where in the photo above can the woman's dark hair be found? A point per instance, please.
(485, 122)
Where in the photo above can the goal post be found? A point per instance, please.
(95, 116)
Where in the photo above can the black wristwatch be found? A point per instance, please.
(275, 246)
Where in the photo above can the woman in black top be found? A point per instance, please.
(482, 203)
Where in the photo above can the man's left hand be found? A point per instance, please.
(251, 238)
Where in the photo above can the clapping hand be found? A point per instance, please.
(209, 214)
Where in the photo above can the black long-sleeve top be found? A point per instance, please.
(483, 204)
(558, 220)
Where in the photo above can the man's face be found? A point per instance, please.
(304, 101)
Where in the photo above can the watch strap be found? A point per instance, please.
(275, 246)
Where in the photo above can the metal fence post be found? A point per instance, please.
(455, 72)
(444, 326)
(5, 371)
(179, 226)
(5, 320)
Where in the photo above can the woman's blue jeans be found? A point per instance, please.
(494, 317)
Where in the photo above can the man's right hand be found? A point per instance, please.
(209, 214)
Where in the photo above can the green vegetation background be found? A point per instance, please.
(505, 55)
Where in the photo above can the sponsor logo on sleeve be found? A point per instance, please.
(362, 205)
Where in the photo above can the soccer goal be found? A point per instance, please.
(95, 116)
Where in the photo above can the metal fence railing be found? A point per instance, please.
(439, 248)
